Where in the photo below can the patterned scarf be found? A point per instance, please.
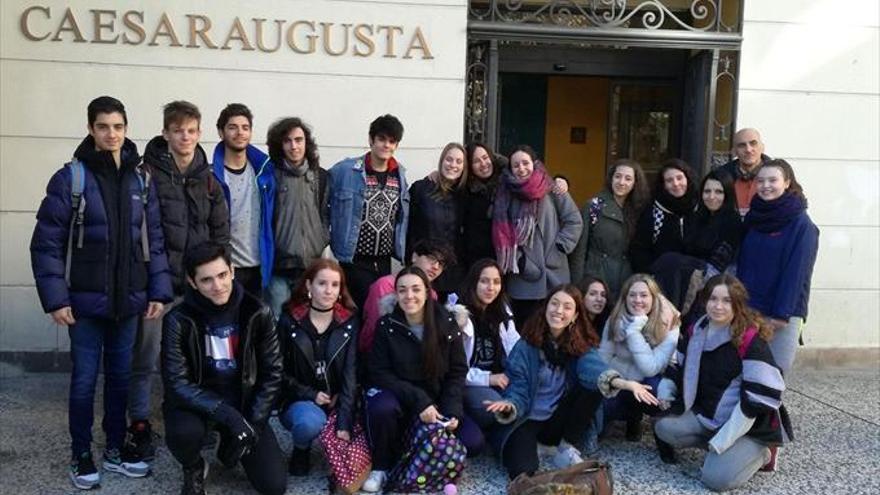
(516, 213)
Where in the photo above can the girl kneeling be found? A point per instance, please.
(544, 401)
(318, 333)
(417, 369)
(729, 387)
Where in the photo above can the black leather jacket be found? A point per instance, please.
(299, 361)
(259, 355)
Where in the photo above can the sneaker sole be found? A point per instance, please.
(116, 468)
(84, 486)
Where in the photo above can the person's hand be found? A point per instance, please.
(452, 424)
(498, 406)
(154, 310)
(430, 415)
(63, 316)
(642, 393)
(434, 177)
(499, 380)
(776, 324)
(343, 435)
(560, 186)
(322, 399)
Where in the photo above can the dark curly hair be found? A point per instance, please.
(278, 132)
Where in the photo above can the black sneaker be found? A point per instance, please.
(299, 462)
(125, 462)
(140, 440)
(83, 472)
(634, 429)
(194, 479)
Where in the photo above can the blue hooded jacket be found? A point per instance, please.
(264, 170)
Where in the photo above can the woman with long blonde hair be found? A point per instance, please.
(638, 341)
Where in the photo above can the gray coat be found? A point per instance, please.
(543, 264)
(601, 250)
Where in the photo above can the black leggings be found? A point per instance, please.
(569, 422)
(264, 465)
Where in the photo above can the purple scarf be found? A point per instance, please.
(772, 216)
(516, 213)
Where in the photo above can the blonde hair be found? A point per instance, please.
(655, 330)
(446, 185)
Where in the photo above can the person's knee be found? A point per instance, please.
(384, 405)
(719, 480)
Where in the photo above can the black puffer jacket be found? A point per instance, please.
(259, 356)
(192, 204)
(659, 230)
(297, 348)
(396, 363)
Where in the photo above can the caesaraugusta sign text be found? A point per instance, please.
(43, 24)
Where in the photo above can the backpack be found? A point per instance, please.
(434, 458)
(78, 206)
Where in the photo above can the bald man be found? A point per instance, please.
(749, 151)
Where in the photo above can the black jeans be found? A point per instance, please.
(569, 422)
(264, 465)
(362, 272)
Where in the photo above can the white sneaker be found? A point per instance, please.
(375, 482)
(567, 456)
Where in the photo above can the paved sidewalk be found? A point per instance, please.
(836, 416)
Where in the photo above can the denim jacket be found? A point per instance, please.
(347, 184)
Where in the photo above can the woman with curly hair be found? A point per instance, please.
(551, 391)
(728, 390)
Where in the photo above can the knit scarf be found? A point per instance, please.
(552, 353)
(772, 216)
(680, 206)
(516, 213)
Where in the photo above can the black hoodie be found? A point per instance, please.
(192, 203)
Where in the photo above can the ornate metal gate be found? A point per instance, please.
(712, 27)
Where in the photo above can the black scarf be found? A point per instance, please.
(682, 206)
(213, 314)
(553, 353)
(772, 216)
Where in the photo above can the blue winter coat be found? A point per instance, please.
(265, 173)
(348, 179)
(522, 368)
(776, 267)
(108, 277)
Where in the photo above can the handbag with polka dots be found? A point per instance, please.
(350, 462)
(434, 458)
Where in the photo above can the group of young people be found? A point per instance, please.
(516, 320)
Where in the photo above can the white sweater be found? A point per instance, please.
(634, 358)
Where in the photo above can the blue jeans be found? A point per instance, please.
(304, 419)
(278, 293)
(90, 338)
(474, 407)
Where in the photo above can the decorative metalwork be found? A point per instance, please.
(723, 120)
(476, 92)
(699, 16)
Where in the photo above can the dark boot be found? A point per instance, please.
(194, 479)
(299, 462)
(140, 440)
(634, 428)
(666, 451)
